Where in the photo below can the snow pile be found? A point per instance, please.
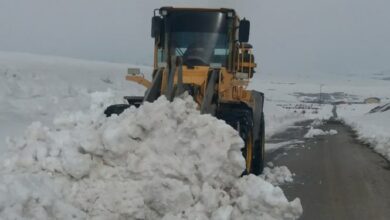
(161, 161)
(318, 132)
(317, 123)
(277, 175)
(373, 128)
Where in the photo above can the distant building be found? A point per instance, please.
(372, 100)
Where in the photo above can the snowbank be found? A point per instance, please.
(371, 128)
(313, 132)
(278, 119)
(161, 161)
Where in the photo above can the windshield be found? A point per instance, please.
(199, 37)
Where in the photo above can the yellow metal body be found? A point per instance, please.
(230, 88)
(139, 79)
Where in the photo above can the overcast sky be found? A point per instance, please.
(289, 36)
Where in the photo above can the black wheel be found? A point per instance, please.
(241, 118)
(248, 153)
(254, 150)
(115, 109)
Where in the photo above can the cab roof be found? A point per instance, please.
(224, 10)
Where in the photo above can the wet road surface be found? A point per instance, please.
(336, 177)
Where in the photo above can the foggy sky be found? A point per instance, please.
(289, 36)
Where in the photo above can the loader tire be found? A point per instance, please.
(240, 117)
(254, 151)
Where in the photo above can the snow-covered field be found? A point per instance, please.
(281, 87)
(371, 128)
(36, 87)
(62, 159)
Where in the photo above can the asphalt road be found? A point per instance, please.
(336, 176)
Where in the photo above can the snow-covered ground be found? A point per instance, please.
(277, 119)
(163, 160)
(281, 87)
(371, 128)
(36, 87)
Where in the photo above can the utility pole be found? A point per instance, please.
(320, 99)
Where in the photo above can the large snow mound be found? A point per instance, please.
(161, 161)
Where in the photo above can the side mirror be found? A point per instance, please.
(243, 33)
(156, 26)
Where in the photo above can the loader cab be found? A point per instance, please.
(202, 37)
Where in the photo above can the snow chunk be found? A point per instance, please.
(254, 196)
(271, 147)
(317, 123)
(318, 132)
(163, 160)
(277, 175)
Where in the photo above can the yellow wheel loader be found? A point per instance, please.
(205, 52)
